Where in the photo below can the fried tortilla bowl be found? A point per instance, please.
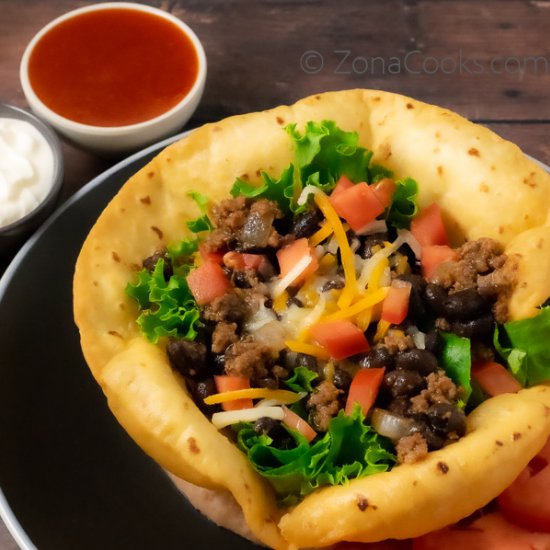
(485, 186)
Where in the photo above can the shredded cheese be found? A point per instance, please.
(308, 349)
(320, 235)
(381, 330)
(287, 280)
(226, 418)
(372, 262)
(346, 254)
(370, 299)
(283, 396)
(279, 304)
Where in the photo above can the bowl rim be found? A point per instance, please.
(16, 113)
(73, 126)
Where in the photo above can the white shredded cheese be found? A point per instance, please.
(377, 226)
(227, 418)
(286, 281)
(411, 240)
(306, 192)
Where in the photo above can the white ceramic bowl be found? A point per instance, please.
(118, 139)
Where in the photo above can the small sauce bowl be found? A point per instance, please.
(15, 231)
(114, 77)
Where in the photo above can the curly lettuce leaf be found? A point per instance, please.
(202, 223)
(456, 360)
(525, 347)
(404, 205)
(323, 153)
(301, 380)
(349, 449)
(167, 307)
(280, 190)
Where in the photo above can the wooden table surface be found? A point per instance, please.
(487, 60)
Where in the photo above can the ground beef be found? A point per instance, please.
(223, 336)
(230, 307)
(481, 265)
(411, 448)
(229, 214)
(396, 340)
(324, 404)
(248, 359)
(440, 389)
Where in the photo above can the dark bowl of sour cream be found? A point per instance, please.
(31, 174)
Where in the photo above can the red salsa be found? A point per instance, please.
(113, 67)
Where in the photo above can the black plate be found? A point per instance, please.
(68, 472)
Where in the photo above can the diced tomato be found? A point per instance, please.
(207, 282)
(292, 253)
(396, 303)
(526, 501)
(384, 190)
(340, 338)
(428, 227)
(364, 389)
(341, 185)
(489, 532)
(292, 420)
(209, 256)
(226, 383)
(434, 255)
(494, 379)
(358, 205)
(236, 260)
(253, 261)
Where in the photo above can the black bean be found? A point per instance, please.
(435, 297)
(336, 282)
(304, 225)
(465, 305)
(478, 329)
(445, 418)
(308, 361)
(417, 307)
(433, 342)
(342, 379)
(399, 405)
(188, 358)
(202, 389)
(240, 279)
(377, 357)
(272, 428)
(219, 362)
(420, 360)
(404, 382)
(369, 242)
(294, 301)
(433, 440)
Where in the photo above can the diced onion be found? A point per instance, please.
(419, 338)
(390, 425)
(227, 418)
(411, 240)
(377, 226)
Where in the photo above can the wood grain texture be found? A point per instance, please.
(488, 60)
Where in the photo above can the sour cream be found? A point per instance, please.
(26, 169)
